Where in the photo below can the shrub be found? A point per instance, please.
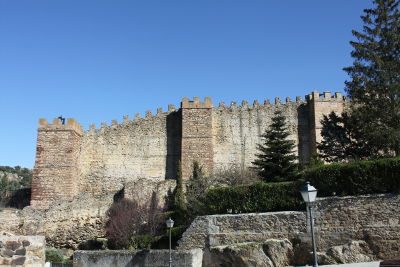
(235, 176)
(130, 224)
(54, 256)
(356, 178)
(258, 197)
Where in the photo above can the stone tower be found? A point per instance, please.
(320, 105)
(55, 173)
(197, 139)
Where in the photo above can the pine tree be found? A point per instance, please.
(276, 161)
(342, 139)
(374, 85)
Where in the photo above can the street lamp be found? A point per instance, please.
(170, 224)
(309, 194)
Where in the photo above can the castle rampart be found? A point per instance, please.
(103, 160)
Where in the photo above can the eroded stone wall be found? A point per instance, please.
(374, 219)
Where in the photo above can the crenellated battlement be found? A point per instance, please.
(126, 120)
(325, 96)
(196, 103)
(57, 125)
(256, 105)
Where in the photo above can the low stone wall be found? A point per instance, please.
(142, 258)
(22, 251)
(374, 219)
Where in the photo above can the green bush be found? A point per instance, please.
(54, 256)
(258, 197)
(356, 178)
(141, 241)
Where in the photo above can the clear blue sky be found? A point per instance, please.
(98, 60)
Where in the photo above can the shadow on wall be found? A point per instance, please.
(303, 129)
(174, 136)
(119, 195)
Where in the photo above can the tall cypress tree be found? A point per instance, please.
(374, 85)
(276, 161)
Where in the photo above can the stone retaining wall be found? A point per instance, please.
(374, 219)
(142, 258)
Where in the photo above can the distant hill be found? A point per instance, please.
(15, 183)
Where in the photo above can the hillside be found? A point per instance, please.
(15, 185)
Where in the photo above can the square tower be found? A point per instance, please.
(55, 175)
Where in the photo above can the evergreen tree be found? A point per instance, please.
(179, 196)
(275, 162)
(374, 85)
(342, 139)
(196, 190)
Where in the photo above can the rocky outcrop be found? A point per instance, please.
(10, 176)
(272, 253)
(276, 253)
(355, 251)
(68, 224)
(64, 224)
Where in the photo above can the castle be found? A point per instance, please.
(100, 161)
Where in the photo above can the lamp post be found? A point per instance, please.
(170, 224)
(309, 194)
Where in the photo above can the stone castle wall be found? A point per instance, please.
(118, 154)
(104, 160)
(237, 131)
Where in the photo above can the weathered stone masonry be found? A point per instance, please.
(102, 161)
(374, 219)
(56, 165)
